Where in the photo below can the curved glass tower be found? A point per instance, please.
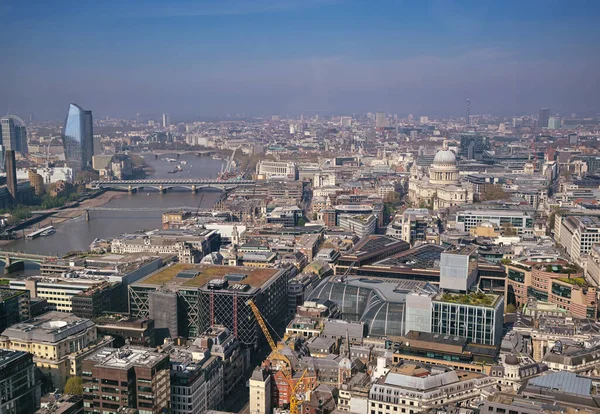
(78, 138)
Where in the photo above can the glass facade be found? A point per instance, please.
(482, 325)
(78, 138)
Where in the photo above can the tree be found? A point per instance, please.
(493, 192)
(315, 216)
(74, 386)
(301, 221)
(508, 230)
(510, 308)
(392, 197)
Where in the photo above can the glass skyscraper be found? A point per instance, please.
(78, 138)
(13, 133)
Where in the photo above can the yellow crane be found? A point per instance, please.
(287, 373)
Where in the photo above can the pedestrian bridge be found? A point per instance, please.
(163, 185)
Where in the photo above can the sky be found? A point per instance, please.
(208, 58)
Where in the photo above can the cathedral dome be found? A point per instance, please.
(444, 157)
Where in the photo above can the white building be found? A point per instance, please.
(49, 174)
(270, 169)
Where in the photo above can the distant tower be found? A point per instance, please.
(468, 112)
(11, 173)
(166, 120)
(543, 118)
(138, 118)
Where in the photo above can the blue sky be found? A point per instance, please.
(261, 57)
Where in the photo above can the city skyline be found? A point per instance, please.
(216, 58)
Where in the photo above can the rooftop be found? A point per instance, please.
(183, 275)
(474, 299)
(125, 358)
(51, 327)
(426, 256)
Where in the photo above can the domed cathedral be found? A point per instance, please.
(441, 187)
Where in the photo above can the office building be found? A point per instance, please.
(118, 379)
(85, 297)
(126, 330)
(14, 307)
(269, 169)
(13, 133)
(543, 118)
(196, 379)
(458, 269)
(577, 235)
(20, 390)
(345, 121)
(78, 138)
(166, 120)
(554, 122)
(476, 316)
(58, 341)
(412, 388)
(380, 120)
(518, 217)
(205, 295)
(11, 174)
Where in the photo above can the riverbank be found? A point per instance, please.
(69, 213)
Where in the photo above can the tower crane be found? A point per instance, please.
(294, 400)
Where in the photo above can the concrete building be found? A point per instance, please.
(577, 236)
(270, 169)
(189, 246)
(60, 292)
(260, 392)
(521, 219)
(206, 295)
(362, 225)
(58, 341)
(412, 388)
(20, 390)
(140, 376)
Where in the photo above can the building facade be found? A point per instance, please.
(20, 391)
(116, 379)
(78, 138)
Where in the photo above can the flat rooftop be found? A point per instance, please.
(125, 358)
(487, 300)
(51, 327)
(9, 293)
(181, 275)
(426, 256)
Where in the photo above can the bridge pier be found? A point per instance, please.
(87, 214)
(131, 189)
(161, 189)
(194, 189)
(11, 266)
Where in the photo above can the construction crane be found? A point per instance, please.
(294, 400)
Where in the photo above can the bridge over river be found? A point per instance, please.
(14, 261)
(163, 185)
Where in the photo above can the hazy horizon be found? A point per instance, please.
(213, 58)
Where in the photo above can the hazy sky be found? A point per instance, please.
(261, 57)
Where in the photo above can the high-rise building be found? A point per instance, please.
(380, 120)
(544, 117)
(166, 120)
(78, 138)
(14, 133)
(20, 391)
(11, 173)
(554, 122)
(138, 118)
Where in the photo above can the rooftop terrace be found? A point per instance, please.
(192, 275)
(475, 299)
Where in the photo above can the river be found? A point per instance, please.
(77, 233)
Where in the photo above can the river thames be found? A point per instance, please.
(77, 233)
